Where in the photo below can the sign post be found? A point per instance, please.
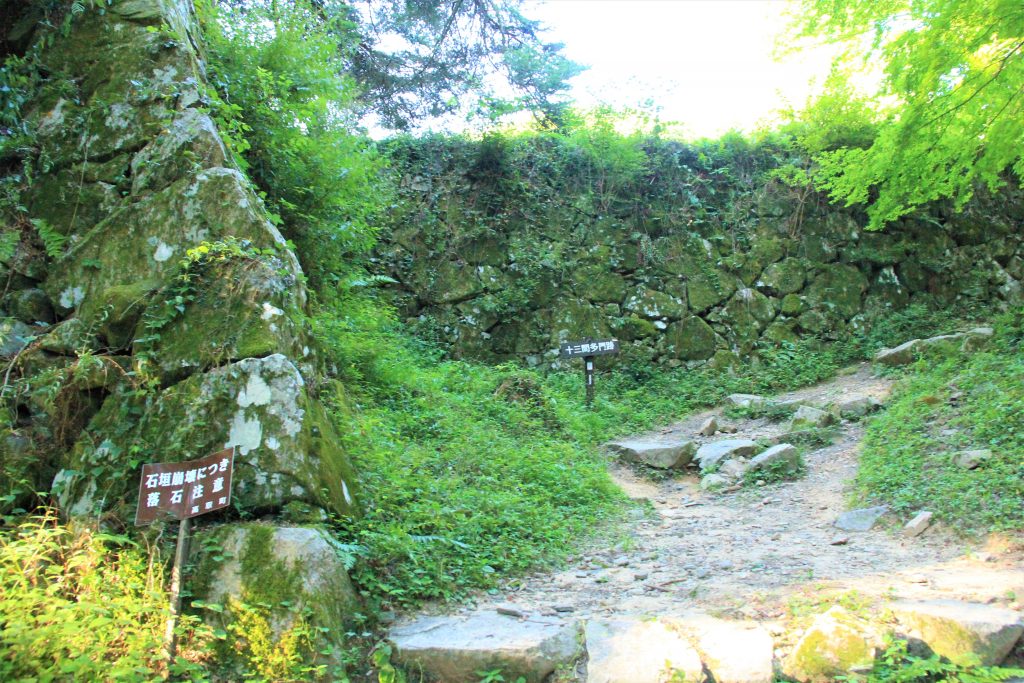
(589, 350)
(183, 490)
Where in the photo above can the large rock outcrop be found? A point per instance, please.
(171, 274)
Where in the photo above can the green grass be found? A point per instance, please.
(473, 472)
(906, 460)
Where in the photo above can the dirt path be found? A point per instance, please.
(768, 553)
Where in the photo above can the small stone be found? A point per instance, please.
(621, 561)
(734, 469)
(510, 611)
(860, 520)
(783, 454)
(714, 482)
(640, 576)
(709, 427)
(702, 572)
(563, 609)
(972, 459)
(728, 429)
(725, 565)
(839, 540)
(915, 527)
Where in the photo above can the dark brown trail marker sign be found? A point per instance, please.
(588, 350)
(181, 491)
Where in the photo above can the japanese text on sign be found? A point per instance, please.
(589, 348)
(179, 490)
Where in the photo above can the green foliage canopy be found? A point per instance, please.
(950, 96)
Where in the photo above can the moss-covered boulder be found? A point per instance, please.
(839, 288)
(286, 445)
(654, 305)
(283, 588)
(836, 644)
(145, 240)
(599, 284)
(962, 631)
(746, 315)
(243, 307)
(785, 277)
(690, 339)
(633, 327)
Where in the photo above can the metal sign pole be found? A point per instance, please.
(170, 635)
(588, 370)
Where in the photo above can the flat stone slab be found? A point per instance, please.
(746, 400)
(899, 355)
(777, 455)
(711, 454)
(733, 651)
(960, 630)
(860, 520)
(453, 649)
(656, 453)
(807, 417)
(630, 651)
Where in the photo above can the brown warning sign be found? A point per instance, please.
(180, 490)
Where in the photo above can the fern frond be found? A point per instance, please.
(52, 240)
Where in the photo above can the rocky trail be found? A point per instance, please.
(729, 584)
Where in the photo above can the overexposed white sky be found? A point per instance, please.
(707, 64)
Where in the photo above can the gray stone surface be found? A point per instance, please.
(733, 651)
(453, 649)
(745, 400)
(14, 336)
(782, 453)
(709, 427)
(807, 417)
(915, 527)
(711, 455)
(714, 482)
(857, 407)
(899, 355)
(860, 520)
(661, 454)
(630, 651)
(959, 630)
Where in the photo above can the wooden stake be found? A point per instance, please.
(588, 370)
(180, 553)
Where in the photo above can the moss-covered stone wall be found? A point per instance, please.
(504, 247)
(152, 312)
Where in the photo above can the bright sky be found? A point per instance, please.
(707, 64)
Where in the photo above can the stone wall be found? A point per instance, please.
(505, 265)
(115, 359)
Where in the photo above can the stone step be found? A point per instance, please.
(454, 648)
(663, 454)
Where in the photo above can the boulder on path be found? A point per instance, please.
(710, 455)
(661, 454)
(746, 400)
(915, 527)
(807, 417)
(733, 470)
(903, 354)
(734, 652)
(857, 408)
(453, 649)
(970, 460)
(714, 482)
(835, 644)
(709, 427)
(781, 455)
(960, 630)
(860, 520)
(629, 650)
